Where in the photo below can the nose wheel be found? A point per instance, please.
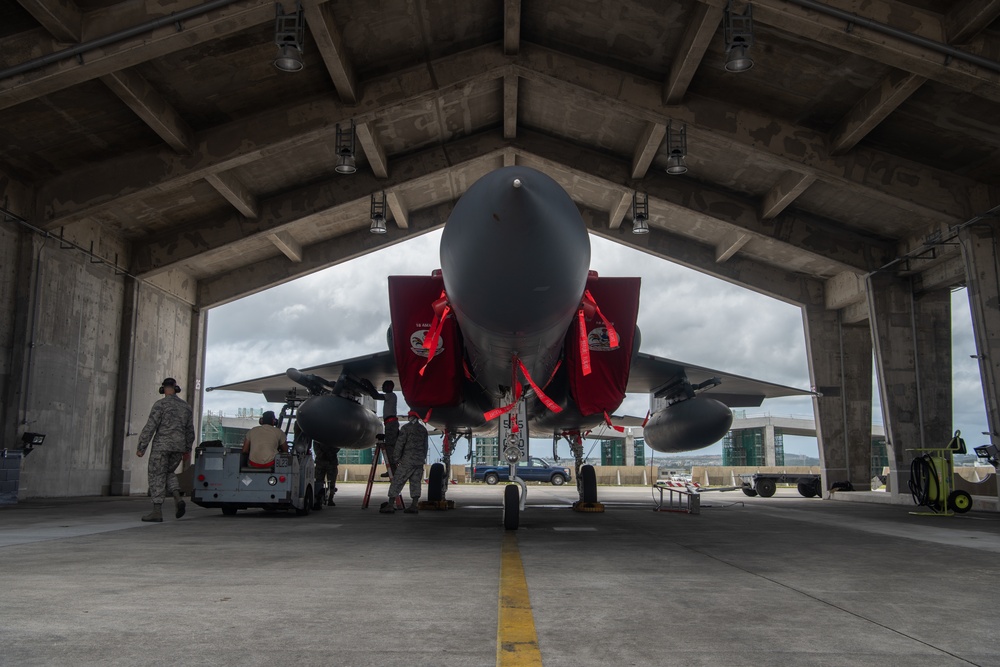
(511, 507)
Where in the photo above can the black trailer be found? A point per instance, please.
(764, 484)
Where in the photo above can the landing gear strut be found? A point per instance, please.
(586, 477)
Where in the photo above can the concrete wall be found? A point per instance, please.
(61, 366)
(66, 357)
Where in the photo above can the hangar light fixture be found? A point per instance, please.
(345, 150)
(676, 149)
(739, 38)
(378, 213)
(640, 212)
(289, 34)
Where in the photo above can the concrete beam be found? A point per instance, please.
(730, 245)
(646, 149)
(399, 213)
(61, 18)
(277, 270)
(213, 25)
(691, 50)
(509, 106)
(302, 206)
(86, 191)
(844, 289)
(961, 23)
(287, 244)
(373, 148)
(326, 35)
(968, 18)
(690, 200)
(754, 136)
(768, 280)
(883, 98)
(147, 103)
(511, 27)
(235, 192)
(784, 192)
(886, 49)
(618, 214)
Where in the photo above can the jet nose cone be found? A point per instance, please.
(515, 249)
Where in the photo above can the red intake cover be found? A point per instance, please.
(604, 389)
(411, 300)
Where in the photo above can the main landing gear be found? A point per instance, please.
(586, 477)
(437, 480)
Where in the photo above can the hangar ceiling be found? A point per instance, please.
(852, 144)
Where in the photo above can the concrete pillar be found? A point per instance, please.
(769, 457)
(840, 368)
(912, 338)
(196, 367)
(980, 246)
(121, 474)
(17, 319)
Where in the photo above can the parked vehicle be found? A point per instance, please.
(530, 470)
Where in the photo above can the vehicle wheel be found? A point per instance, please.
(435, 483)
(749, 492)
(307, 503)
(809, 489)
(959, 502)
(492, 478)
(766, 487)
(229, 511)
(558, 480)
(511, 506)
(588, 482)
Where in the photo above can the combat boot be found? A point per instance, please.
(412, 509)
(318, 502)
(155, 515)
(329, 501)
(179, 505)
(387, 508)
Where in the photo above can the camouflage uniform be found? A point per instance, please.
(411, 453)
(171, 421)
(327, 467)
(391, 426)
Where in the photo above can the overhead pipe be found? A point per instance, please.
(885, 29)
(135, 31)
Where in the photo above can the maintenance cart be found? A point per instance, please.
(223, 479)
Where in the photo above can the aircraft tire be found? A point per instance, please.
(766, 487)
(511, 506)
(588, 481)
(307, 503)
(435, 482)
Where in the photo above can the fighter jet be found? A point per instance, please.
(514, 334)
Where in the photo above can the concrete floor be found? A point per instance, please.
(749, 581)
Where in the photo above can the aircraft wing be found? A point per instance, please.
(377, 367)
(664, 377)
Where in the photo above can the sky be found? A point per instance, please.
(343, 312)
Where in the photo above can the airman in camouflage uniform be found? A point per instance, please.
(327, 467)
(411, 453)
(172, 423)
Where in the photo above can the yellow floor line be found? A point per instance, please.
(517, 642)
